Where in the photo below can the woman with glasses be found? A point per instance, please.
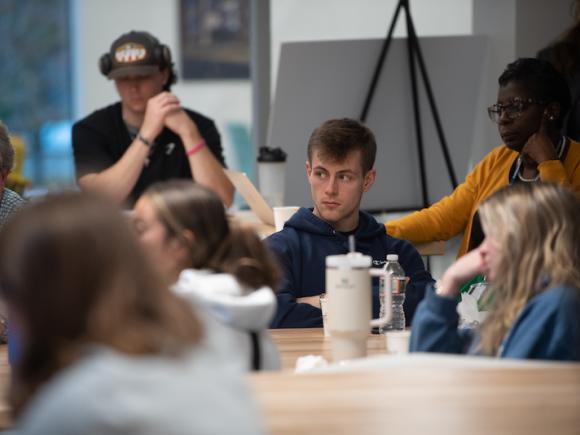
(532, 102)
(530, 255)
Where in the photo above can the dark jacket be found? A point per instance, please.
(302, 247)
(548, 328)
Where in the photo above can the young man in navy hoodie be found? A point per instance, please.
(341, 155)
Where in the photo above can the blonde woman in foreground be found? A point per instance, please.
(105, 347)
(531, 257)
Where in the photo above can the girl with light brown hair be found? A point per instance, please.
(225, 272)
(530, 256)
(104, 345)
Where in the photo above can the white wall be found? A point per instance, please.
(304, 20)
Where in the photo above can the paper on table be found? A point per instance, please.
(468, 310)
(282, 214)
(254, 198)
(310, 362)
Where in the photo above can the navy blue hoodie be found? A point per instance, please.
(302, 247)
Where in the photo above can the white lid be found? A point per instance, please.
(392, 257)
(351, 260)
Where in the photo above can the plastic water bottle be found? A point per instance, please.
(396, 275)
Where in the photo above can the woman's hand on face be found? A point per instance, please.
(464, 269)
(539, 147)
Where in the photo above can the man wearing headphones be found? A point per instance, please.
(147, 136)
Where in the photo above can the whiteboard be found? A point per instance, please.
(327, 79)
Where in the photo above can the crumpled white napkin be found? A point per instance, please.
(469, 312)
(310, 362)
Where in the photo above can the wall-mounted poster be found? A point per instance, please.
(215, 39)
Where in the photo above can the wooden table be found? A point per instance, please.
(511, 399)
(5, 413)
(471, 396)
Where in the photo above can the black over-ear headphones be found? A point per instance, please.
(160, 55)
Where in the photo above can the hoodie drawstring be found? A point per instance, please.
(256, 354)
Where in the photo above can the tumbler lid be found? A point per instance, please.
(352, 260)
(267, 154)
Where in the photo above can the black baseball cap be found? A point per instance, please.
(134, 53)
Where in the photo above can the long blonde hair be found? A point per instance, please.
(537, 227)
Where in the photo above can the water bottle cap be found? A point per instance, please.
(392, 257)
(352, 260)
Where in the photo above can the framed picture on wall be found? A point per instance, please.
(215, 39)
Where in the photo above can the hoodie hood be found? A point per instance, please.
(227, 300)
(306, 221)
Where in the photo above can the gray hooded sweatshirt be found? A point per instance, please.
(231, 313)
(109, 393)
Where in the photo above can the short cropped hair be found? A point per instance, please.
(6, 150)
(541, 80)
(335, 139)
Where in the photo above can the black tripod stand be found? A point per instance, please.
(414, 55)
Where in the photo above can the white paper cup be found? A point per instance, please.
(271, 181)
(398, 341)
(282, 214)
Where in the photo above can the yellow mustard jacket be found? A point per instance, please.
(454, 213)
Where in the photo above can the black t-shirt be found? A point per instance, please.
(101, 139)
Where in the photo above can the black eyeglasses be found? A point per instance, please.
(513, 110)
